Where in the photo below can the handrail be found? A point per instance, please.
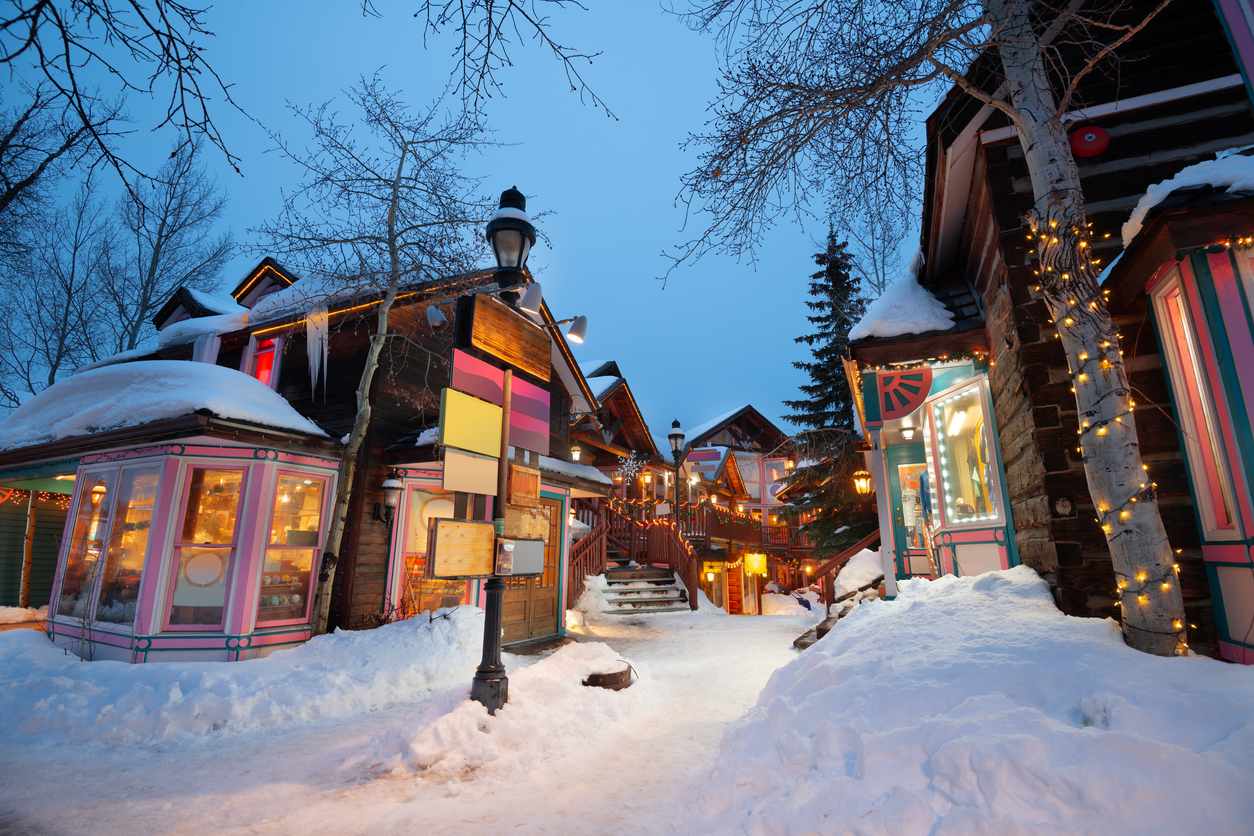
(587, 557)
(826, 572)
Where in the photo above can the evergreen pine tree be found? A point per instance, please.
(824, 475)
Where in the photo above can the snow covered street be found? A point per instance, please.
(631, 761)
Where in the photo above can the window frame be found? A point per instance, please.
(328, 503)
(250, 355)
(95, 585)
(175, 545)
(1206, 472)
(939, 501)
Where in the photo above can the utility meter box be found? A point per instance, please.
(519, 557)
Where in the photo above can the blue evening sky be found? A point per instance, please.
(721, 332)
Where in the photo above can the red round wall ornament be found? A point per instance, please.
(1089, 141)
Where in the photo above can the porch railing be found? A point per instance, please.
(826, 572)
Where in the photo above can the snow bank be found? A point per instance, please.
(862, 568)
(550, 712)
(44, 692)
(592, 599)
(1236, 172)
(188, 330)
(972, 706)
(904, 307)
(130, 394)
(18, 615)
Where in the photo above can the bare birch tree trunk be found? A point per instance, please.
(348, 465)
(1124, 496)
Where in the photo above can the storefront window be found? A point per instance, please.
(87, 543)
(968, 487)
(417, 594)
(912, 478)
(295, 537)
(206, 545)
(123, 565)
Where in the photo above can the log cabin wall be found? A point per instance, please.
(1033, 403)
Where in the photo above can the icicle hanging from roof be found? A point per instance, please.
(317, 338)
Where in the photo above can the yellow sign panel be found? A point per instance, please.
(755, 564)
(468, 423)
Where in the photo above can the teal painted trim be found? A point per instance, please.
(871, 397)
(945, 378)
(1227, 365)
(27, 470)
(1217, 601)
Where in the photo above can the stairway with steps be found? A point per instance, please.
(644, 589)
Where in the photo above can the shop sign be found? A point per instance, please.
(469, 472)
(493, 327)
(529, 404)
(519, 557)
(469, 424)
(460, 549)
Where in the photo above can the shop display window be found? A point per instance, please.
(108, 544)
(87, 544)
(294, 542)
(913, 481)
(418, 594)
(967, 473)
(123, 564)
(205, 546)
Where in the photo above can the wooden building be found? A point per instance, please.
(1181, 95)
(199, 534)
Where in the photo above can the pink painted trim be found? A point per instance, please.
(243, 592)
(176, 544)
(146, 613)
(266, 640)
(1226, 432)
(968, 535)
(1225, 553)
(1236, 653)
(123, 455)
(1232, 307)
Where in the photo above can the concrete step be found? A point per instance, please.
(644, 611)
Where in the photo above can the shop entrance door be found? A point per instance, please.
(907, 473)
(530, 609)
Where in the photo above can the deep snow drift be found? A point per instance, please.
(973, 706)
(43, 691)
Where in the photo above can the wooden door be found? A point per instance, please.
(531, 609)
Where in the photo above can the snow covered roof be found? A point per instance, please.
(905, 307)
(131, 394)
(217, 304)
(1232, 169)
(306, 293)
(579, 471)
(189, 330)
(700, 430)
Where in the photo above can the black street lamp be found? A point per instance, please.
(676, 436)
(511, 237)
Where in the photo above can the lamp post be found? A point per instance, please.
(511, 236)
(676, 436)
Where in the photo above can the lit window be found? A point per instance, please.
(263, 361)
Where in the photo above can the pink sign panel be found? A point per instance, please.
(529, 404)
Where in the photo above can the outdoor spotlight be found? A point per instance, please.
(532, 298)
(436, 318)
(578, 329)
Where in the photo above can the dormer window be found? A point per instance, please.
(262, 360)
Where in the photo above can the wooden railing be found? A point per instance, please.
(701, 524)
(666, 546)
(826, 572)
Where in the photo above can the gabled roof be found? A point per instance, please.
(744, 428)
(194, 303)
(266, 275)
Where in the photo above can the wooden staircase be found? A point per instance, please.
(647, 563)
